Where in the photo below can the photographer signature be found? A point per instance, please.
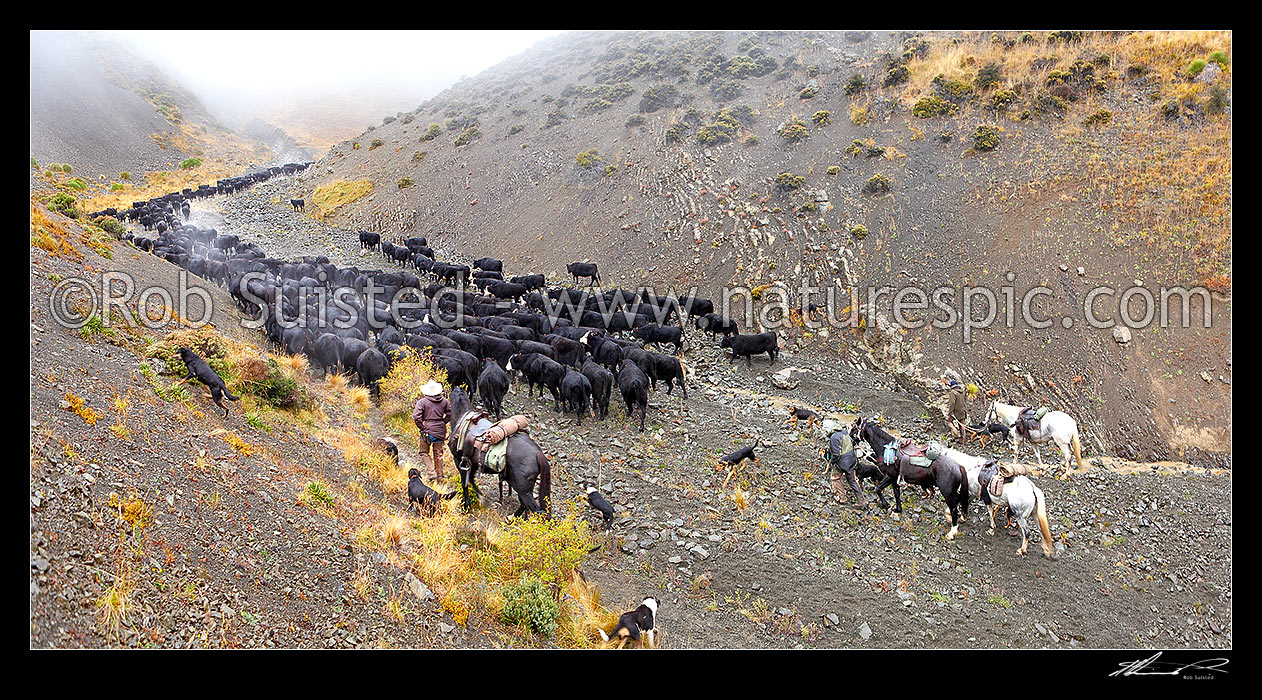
(1150, 666)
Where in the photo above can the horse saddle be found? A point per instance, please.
(919, 455)
(1030, 419)
(993, 476)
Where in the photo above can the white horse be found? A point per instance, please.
(1021, 497)
(1055, 425)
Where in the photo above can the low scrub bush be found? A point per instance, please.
(986, 137)
(528, 602)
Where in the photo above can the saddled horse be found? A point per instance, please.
(1021, 497)
(1055, 425)
(944, 473)
(524, 461)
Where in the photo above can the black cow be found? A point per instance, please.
(634, 386)
(749, 345)
(298, 204)
(656, 334)
(584, 270)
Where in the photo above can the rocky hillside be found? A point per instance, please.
(859, 159)
(159, 522)
(105, 111)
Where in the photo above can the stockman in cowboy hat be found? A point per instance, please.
(430, 415)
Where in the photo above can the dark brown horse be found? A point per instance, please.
(525, 462)
(944, 473)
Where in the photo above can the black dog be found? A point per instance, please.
(632, 624)
(422, 495)
(600, 503)
(740, 455)
(198, 369)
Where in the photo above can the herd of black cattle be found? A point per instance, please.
(568, 341)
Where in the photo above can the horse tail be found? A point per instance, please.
(545, 484)
(1040, 509)
(1077, 449)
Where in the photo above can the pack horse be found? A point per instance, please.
(1027, 425)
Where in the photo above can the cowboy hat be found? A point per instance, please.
(432, 388)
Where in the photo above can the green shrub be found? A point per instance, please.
(954, 90)
(1219, 57)
(834, 169)
(34, 163)
(1195, 67)
(63, 203)
(855, 148)
(1046, 103)
(877, 184)
(65, 168)
(822, 118)
(1063, 36)
(418, 156)
(794, 130)
(932, 106)
(1217, 102)
(988, 76)
(376, 143)
(589, 159)
(77, 183)
(556, 117)
(1001, 100)
(528, 602)
(896, 75)
(405, 182)
(659, 97)
(515, 129)
(788, 181)
(110, 225)
(915, 47)
(276, 388)
(117, 186)
(408, 118)
(1099, 118)
(190, 163)
(675, 132)
(468, 136)
(807, 93)
(986, 137)
(859, 231)
(597, 105)
(124, 176)
(726, 90)
(856, 84)
(432, 132)
(946, 136)
(751, 140)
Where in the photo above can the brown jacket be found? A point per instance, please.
(959, 409)
(431, 415)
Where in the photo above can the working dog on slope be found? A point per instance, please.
(199, 370)
(635, 622)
